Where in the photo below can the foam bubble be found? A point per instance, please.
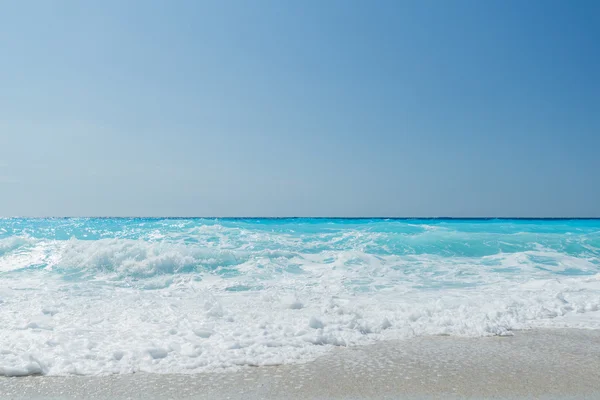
(172, 297)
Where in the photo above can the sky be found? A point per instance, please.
(300, 108)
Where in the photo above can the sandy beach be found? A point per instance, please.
(530, 364)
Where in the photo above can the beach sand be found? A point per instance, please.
(542, 363)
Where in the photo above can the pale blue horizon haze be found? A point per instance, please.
(276, 108)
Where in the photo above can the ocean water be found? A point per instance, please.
(105, 296)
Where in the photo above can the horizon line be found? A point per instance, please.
(306, 217)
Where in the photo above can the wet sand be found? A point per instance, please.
(562, 364)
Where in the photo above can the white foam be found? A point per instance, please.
(169, 307)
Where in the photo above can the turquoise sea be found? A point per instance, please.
(120, 295)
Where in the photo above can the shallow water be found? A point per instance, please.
(100, 296)
(546, 364)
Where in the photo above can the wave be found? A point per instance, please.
(179, 296)
(139, 259)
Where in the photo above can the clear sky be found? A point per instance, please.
(300, 108)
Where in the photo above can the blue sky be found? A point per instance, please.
(274, 108)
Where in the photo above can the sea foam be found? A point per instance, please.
(104, 296)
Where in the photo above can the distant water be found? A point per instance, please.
(101, 296)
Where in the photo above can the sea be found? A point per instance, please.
(99, 296)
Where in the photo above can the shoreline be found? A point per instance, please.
(540, 363)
